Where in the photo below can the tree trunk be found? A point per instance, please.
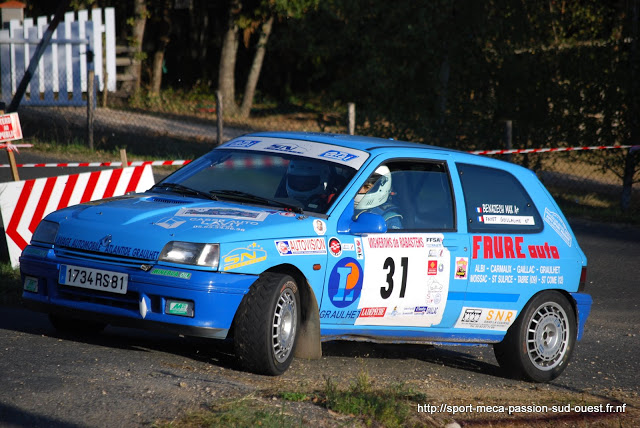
(256, 67)
(156, 72)
(137, 34)
(226, 78)
(163, 29)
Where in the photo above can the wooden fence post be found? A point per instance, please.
(351, 119)
(90, 106)
(219, 114)
(123, 158)
(12, 158)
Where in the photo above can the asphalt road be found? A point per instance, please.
(133, 378)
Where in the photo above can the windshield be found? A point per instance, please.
(273, 179)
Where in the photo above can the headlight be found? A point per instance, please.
(46, 232)
(191, 253)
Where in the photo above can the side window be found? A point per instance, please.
(497, 202)
(420, 197)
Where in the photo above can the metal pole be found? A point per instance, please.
(508, 138)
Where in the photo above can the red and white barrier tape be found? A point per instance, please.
(13, 147)
(543, 150)
(99, 164)
(184, 162)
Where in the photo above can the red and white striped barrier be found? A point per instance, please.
(24, 203)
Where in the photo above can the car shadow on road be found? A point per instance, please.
(15, 417)
(221, 353)
(437, 355)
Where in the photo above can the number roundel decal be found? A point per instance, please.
(345, 282)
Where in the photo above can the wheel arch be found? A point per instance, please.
(567, 295)
(308, 344)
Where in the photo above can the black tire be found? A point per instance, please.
(266, 325)
(69, 325)
(539, 345)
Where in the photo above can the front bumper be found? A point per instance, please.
(215, 296)
(583, 308)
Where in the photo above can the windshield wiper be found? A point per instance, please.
(180, 188)
(245, 196)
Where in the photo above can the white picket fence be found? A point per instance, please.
(61, 76)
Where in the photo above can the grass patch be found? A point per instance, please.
(393, 406)
(359, 404)
(248, 411)
(10, 285)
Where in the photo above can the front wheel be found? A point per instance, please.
(538, 346)
(267, 324)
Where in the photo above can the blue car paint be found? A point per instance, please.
(254, 239)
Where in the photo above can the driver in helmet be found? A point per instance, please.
(373, 197)
(310, 182)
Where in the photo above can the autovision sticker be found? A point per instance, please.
(298, 247)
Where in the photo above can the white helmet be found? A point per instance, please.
(306, 179)
(379, 193)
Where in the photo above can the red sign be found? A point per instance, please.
(10, 127)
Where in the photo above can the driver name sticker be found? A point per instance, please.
(406, 280)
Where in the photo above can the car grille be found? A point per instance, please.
(129, 301)
(71, 254)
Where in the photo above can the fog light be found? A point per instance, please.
(179, 307)
(30, 284)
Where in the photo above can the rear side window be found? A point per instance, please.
(497, 202)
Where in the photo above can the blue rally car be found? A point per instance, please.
(282, 240)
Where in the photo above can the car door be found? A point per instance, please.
(401, 277)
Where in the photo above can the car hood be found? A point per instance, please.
(140, 225)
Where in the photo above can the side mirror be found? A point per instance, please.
(363, 224)
(368, 223)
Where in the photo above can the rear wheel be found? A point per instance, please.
(538, 346)
(75, 326)
(267, 324)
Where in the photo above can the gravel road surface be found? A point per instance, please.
(133, 378)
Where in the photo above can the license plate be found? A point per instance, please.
(94, 279)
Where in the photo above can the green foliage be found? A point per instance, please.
(295, 396)
(10, 285)
(389, 407)
(244, 412)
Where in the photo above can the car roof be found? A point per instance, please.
(375, 145)
(359, 142)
